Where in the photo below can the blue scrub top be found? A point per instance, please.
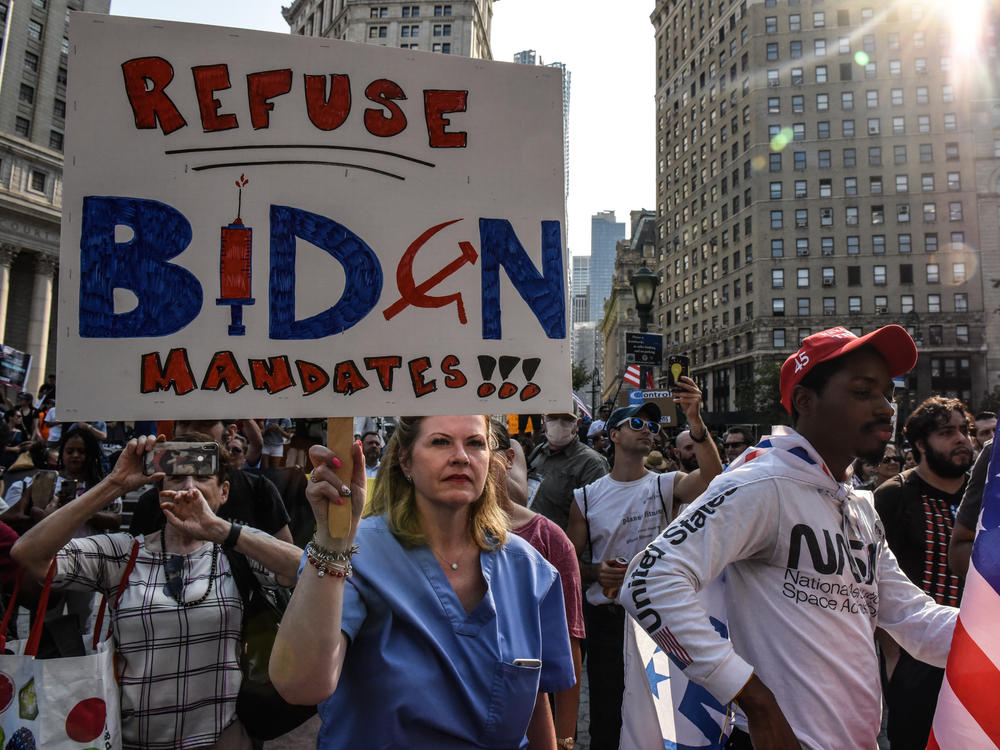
(422, 673)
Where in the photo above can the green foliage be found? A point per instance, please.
(581, 375)
(760, 399)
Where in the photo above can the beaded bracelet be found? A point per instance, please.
(323, 567)
(330, 555)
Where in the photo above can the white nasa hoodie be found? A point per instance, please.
(808, 579)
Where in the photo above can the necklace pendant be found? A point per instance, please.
(454, 566)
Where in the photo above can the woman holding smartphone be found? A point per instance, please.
(177, 623)
(444, 626)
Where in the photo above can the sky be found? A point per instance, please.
(609, 54)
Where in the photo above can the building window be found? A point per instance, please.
(933, 273)
(853, 245)
(926, 153)
(777, 338)
(411, 11)
(821, 74)
(826, 217)
(927, 182)
(771, 24)
(798, 104)
(829, 305)
(795, 49)
(879, 275)
(920, 65)
(881, 304)
(906, 303)
(826, 245)
(35, 30)
(819, 20)
(819, 47)
(775, 190)
(823, 129)
(777, 220)
(947, 93)
(801, 190)
(923, 95)
(442, 10)
(799, 159)
(777, 278)
(797, 77)
(904, 243)
(850, 186)
(951, 151)
(844, 45)
(955, 211)
(878, 244)
(794, 22)
(874, 156)
(958, 272)
(31, 62)
(961, 302)
(934, 303)
(930, 243)
(59, 108)
(854, 305)
(850, 157)
(874, 126)
(773, 79)
(851, 215)
(930, 212)
(802, 278)
(802, 246)
(954, 181)
(38, 180)
(829, 276)
(774, 162)
(898, 125)
(774, 105)
(962, 334)
(777, 249)
(62, 76)
(903, 213)
(22, 126)
(899, 154)
(778, 307)
(27, 94)
(56, 140)
(772, 51)
(847, 128)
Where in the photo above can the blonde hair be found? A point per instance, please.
(394, 497)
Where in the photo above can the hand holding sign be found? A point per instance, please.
(336, 505)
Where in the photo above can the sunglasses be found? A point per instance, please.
(636, 423)
(892, 460)
(174, 567)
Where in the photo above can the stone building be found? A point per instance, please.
(33, 77)
(822, 165)
(460, 27)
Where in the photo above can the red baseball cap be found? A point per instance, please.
(892, 342)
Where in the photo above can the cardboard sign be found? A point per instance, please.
(274, 225)
(643, 348)
(663, 399)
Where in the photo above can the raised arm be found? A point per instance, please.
(39, 545)
(688, 486)
(310, 647)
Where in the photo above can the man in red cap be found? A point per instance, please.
(808, 574)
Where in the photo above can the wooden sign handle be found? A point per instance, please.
(340, 439)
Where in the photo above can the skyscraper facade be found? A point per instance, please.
(822, 165)
(580, 285)
(461, 27)
(33, 76)
(604, 234)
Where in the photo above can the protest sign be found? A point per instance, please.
(14, 367)
(271, 225)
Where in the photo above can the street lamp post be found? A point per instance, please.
(644, 283)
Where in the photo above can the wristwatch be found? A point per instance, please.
(566, 743)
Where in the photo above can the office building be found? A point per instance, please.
(604, 234)
(825, 164)
(33, 77)
(530, 57)
(461, 27)
(580, 286)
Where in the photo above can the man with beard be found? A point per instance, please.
(616, 517)
(371, 447)
(560, 465)
(808, 575)
(918, 510)
(686, 455)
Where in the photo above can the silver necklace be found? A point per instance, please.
(452, 565)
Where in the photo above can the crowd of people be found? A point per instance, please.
(493, 571)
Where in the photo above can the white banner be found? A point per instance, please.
(259, 224)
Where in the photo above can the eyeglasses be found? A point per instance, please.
(636, 423)
(891, 460)
(174, 567)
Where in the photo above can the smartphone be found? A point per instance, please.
(530, 663)
(67, 490)
(195, 459)
(678, 365)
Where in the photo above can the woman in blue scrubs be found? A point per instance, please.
(442, 630)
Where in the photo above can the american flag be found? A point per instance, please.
(631, 376)
(967, 716)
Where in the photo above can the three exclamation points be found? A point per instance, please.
(488, 364)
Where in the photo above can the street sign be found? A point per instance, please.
(663, 399)
(643, 348)
(14, 367)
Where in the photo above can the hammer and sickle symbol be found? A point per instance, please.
(416, 294)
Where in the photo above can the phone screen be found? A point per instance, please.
(678, 365)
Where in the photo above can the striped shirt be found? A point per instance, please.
(177, 666)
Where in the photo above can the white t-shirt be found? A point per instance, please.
(623, 517)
